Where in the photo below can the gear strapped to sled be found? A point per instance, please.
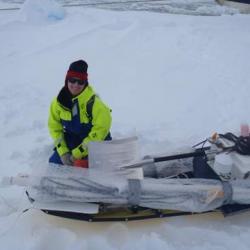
(119, 182)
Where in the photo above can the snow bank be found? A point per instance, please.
(37, 11)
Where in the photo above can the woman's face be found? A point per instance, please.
(75, 86)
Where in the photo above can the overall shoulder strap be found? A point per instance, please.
(89, 107)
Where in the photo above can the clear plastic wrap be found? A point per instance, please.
(81, 185)
(168, 169)
(192, 195)
(240, 191)
(60, 183)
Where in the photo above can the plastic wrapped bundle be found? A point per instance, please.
(191, 195)
(240, 191)
(168, 169)
(79, 185)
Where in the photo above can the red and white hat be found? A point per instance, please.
(79, 70)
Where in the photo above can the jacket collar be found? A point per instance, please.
(66, 100)
(85, 95)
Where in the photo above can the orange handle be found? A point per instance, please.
(81, 163)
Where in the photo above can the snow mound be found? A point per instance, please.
(37, 11)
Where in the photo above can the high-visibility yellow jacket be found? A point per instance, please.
(88, 118)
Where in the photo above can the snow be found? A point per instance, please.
(40, 10)
(189, 7)
(172, 80)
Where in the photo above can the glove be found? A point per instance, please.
(79, 152)
(67, 159)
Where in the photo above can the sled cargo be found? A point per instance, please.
(119, 186)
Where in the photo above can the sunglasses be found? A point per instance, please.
(78, 81)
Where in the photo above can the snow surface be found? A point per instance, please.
(189, 7)
(170, 79)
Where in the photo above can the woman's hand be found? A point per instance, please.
(67, 159)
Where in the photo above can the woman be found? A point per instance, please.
(77, 117)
